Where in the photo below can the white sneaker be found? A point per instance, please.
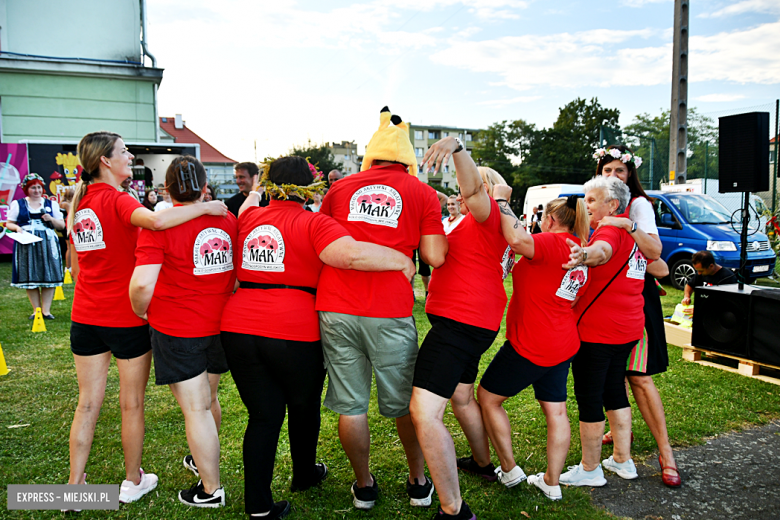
(626, 470)
(577, 476)
(129, 492)
(511, 478)
(75, 510)
(551, 492)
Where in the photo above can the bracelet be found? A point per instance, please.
(502, 200)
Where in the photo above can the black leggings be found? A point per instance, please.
(273, 375)
(599, 372)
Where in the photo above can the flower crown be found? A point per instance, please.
(617, 154)
(285, 191)
(29, 178)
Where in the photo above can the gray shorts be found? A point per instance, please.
(352, 345)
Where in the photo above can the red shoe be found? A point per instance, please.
(607, 438)
(669, 480)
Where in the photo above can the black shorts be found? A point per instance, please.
(450, 355)
(423, 269)
(180, 359)
(122, 342)
(510, 373)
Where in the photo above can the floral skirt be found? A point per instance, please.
(39, 264)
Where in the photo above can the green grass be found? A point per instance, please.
(41, 390)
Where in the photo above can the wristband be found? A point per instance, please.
(502, 200)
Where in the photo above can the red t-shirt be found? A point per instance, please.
(540, 323)
(617, 316)
(196, 277)
(387, 206)
(469, 287)
(279, 244)
(104, 239)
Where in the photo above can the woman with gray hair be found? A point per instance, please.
(610, 324)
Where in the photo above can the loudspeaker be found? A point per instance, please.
(743, 156)
(720, 319)
(765, 326)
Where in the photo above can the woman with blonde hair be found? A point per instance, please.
(532, 356)
(104, 227)
(448, 361)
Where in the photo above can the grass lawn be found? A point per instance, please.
(41, 390)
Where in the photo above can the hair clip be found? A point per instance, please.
(190, 176)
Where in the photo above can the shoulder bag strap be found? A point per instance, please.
(603, 289)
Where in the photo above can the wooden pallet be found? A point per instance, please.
(746, 367)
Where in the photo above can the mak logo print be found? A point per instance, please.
(572, 282)
(87, 231)
(376, 204)
(637, 265)
(213, 252)
(263, 250)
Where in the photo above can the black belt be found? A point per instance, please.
(253, 285)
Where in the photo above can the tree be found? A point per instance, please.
(320, 156)
(493, 148)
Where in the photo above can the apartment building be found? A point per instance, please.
(422, 136)
(346, 153)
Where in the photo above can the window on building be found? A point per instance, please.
(446, 184)
(419, 152)
(446, 168)
(346, 157)
(418, 134)
(445, 134)
(434, 134)
(468, 137)
(460, 136)
(434, 181)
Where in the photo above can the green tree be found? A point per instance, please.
(493, 149)
(318, 155)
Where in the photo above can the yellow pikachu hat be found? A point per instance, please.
(390, 143)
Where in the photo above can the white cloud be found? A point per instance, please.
(500, 103)
(592, 58)
(746, 6)
(719, 98)
(642, 3)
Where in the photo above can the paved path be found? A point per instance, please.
(735, 475)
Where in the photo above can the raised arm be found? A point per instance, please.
(142, 287)
(472, 188)
(173, 217)
(251, 201)
(348, 253)
(514, 233)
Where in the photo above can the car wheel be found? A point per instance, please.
(682, 273)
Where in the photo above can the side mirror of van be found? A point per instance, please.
(668, 220)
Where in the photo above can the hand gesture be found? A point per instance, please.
(46, 217)
(502, 191)
(216, 208)
(686, 300)
(439, 154)
(618, 222)
(575, 258)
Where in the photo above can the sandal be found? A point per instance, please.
(669, 480)
(607, 438)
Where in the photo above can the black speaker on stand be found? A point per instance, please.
(743, 157)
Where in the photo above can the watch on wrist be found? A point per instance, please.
(633, 227)
(460, 145)
(584, 255)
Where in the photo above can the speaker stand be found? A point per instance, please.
(743, 271)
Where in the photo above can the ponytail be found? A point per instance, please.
(572, 213)
(81, 190)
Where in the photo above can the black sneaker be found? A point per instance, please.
(419, 494)
(48, 317)
(465, 514)
(320, 472)
(197, 497)
(279, 510)
(469, 465)
(365, 497)
(189, 463)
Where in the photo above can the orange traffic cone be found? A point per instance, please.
(3, 367)
(38, 324)
(68, 279)
(58, 294)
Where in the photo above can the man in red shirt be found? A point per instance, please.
(366, 317)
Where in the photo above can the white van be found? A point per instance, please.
(542, 195)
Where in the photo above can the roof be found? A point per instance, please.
(208, 154)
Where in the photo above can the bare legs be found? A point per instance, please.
(92, 372)
(41, 298)
(591, 433)
(196, 402)
(355, 438)
(652, 408)
(469, 415)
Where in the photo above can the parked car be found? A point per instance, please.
(689, 222)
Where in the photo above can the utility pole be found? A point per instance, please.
(678, 126)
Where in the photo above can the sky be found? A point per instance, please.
(280, 73)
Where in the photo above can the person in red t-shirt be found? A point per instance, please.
(448, 362)
(366, 318)
(275, 354)
(182, 280)
(610, 323)
(541, 302)
(103, 225)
